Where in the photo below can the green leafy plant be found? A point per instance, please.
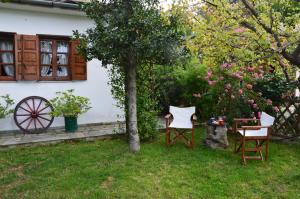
(5, 103)
(68, 105)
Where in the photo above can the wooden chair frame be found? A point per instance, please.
(179, 134)
(259, 140)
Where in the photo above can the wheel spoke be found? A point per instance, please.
(44, 118)
(43, 108)
(43, 113)
(29, 124)
(34, 122)
(23, 115)
(28, 106)
(37, 109)
(25, 109)
(33, 104)
(24, 120)
(40, 122)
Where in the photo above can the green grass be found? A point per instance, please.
(106, 169)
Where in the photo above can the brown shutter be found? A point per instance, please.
(27, 57)
(78, 63)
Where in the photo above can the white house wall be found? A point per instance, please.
(95, 88)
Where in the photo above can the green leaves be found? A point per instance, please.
(5, 103)
(151, 36)
(67, 104)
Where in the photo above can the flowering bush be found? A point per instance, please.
(233, 86)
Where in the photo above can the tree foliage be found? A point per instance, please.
(129, 34)
(248, 33)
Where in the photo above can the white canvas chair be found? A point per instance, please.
(179, 121)
(260, 134)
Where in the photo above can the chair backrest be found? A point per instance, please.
(182, 115)
(266, 120)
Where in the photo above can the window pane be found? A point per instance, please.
(7, 58)
(46, 71)
(62, 71)
(62, 47)
(9, 70)
(46, 58)
(46, 46)
(6, 45)
(62, 59)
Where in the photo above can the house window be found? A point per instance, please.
(7, 59)
(54, 59)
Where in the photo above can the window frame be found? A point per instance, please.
(55, 40)
(10, 35)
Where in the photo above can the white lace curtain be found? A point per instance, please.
(62, 58)
(7, 58)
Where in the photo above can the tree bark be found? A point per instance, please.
(130, 85)
(134, 141)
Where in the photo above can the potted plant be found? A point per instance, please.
(69, 106)
(5, 103)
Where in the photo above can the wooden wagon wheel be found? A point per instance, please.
(32, 114)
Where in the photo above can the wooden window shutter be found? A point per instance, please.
(78, 63)
(27, 57)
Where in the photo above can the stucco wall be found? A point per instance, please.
(95, 88)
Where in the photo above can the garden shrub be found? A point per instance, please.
(5, 106)
(228, 89)
(147, 98)
(177, 86)
(147, 106)
(274, 86)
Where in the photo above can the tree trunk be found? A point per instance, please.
(131, 122)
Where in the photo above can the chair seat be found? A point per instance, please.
(254, 133)
(181, 125)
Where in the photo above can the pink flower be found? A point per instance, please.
(249, 86)
(238, 75)
(250, 68)
(209, 73)
(241, 91)
(212, 82)
(226, 65)
(255, 75)
(276, 109)
(251, 101)
(228, 86)
(239, 30)
(269, 102)
(223, 66)
(226, 90)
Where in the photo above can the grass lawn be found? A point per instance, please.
(106, 169)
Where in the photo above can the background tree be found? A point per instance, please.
(249, 33)
(129, 34)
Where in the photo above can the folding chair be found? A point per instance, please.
(260, 134)
(180, 121)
